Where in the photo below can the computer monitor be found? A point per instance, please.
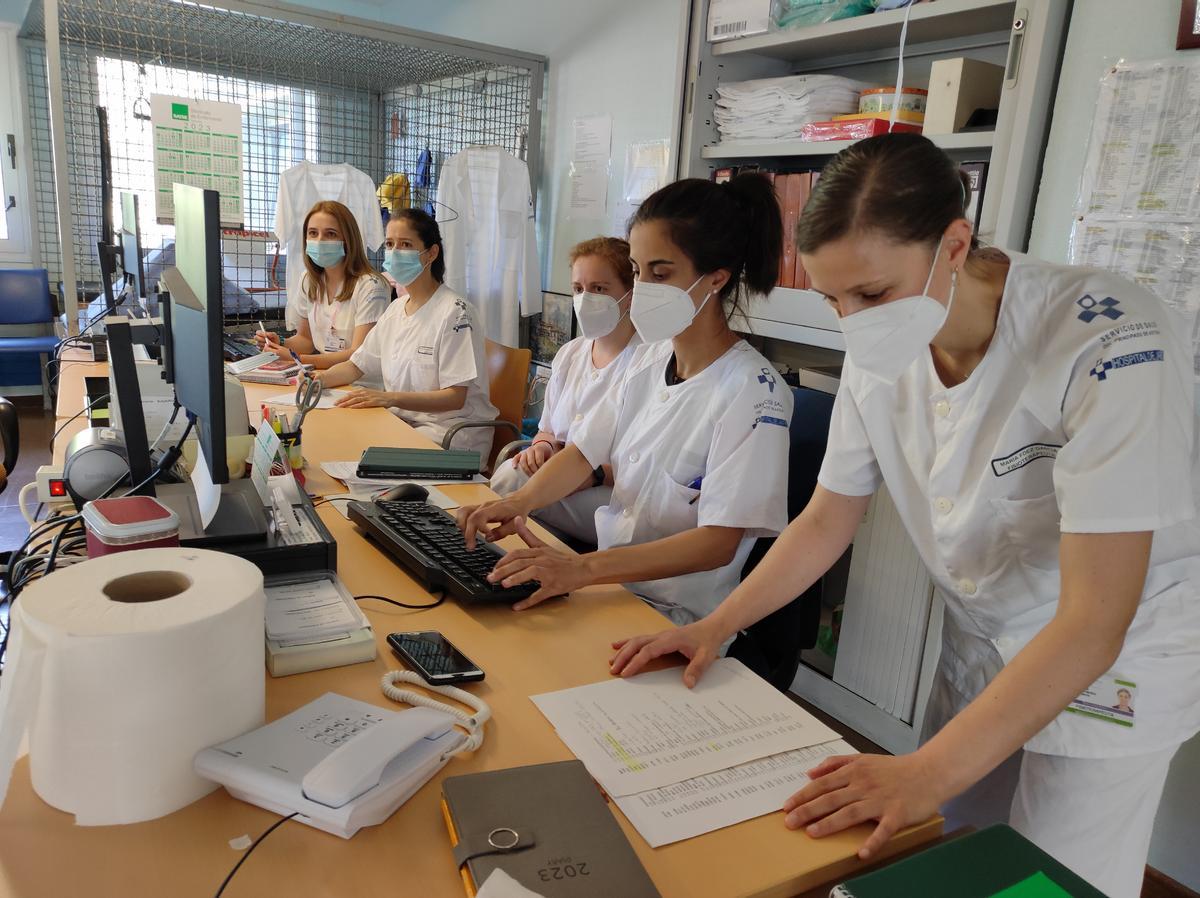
(198, 366)
(131, 247)
(196, 326)
(106, 248)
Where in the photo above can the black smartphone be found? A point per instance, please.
(434, 657)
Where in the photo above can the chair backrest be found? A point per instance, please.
(771, 647)
(10, 436)
(25, 296)
(508, 379)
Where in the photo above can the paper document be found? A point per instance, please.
(309, 609)
(328, 399)
(262, 460)
(208, 494)
(716, 800)
(651, 730)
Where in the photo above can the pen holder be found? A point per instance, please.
(290, 443)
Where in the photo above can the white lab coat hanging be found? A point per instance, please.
(485, 211)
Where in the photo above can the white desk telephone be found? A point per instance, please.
(341, 764)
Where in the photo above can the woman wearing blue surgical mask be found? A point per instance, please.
(585, 370)
(427, 348)
(343, 296)
(696, 436)
(1034, 425)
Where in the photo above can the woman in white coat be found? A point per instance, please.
(342, 296)
(427, 348)
(585, 370)
(697, 434)
(1034, 425)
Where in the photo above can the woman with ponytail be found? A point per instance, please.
(1033, 424)
(697, 435)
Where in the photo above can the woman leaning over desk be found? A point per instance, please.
(426, 347)
(1034, 425)
(343, 296)
(695, 434)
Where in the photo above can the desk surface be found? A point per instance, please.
(554, 646)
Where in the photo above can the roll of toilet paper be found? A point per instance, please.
(122, 668)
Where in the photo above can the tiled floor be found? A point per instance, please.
(37, 426)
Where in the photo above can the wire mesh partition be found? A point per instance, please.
(322, 93)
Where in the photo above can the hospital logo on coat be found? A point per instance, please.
(1100, 372)
(1093, 308)
(768, 378)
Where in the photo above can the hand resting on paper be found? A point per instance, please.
(847, 790)
(700, 642)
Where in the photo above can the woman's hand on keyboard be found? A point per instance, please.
(556, 572)
(477, 520)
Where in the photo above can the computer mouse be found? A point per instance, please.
(404, 492)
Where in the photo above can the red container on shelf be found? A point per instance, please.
(130, 522)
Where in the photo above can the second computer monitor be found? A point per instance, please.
(131, 246)
(196, 324)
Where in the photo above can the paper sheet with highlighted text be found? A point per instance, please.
(651, 731)
(716, 800)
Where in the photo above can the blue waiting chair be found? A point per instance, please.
(27, 318)
(772, 646)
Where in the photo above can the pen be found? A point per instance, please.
(695, 485)
(297, 358)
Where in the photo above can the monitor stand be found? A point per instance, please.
(240, 516)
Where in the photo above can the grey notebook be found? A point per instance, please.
(548, 827)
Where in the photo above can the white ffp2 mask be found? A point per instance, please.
(597, 313)
(886, 340)
(663, 311)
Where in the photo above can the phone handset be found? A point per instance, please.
(472, 723)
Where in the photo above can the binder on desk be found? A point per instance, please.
(384, 462)
(547, 826)
(996, 862)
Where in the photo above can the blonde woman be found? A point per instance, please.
(343, 296)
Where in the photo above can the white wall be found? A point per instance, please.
(1101, 33)
(620, 57)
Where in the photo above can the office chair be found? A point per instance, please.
(10, 435)
(508, 373)
(27, 318)
(772, 646)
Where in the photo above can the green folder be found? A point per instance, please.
(996, 862)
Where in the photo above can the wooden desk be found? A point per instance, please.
(555, 646)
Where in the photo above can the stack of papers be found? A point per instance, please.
(245, 366)
(679, 762)
(779, 108)
(307, 609)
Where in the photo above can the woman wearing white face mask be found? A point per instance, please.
(696, 435)
(585, 370)
(343, 295)
(426, 348)
(1034, 425)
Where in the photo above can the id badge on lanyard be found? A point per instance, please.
(333, 341)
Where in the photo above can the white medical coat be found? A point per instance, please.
(1078, 420)
(333, 322)
(300, 188)
(485, 212)
(726, 427)
(437, 347)
(576, 385)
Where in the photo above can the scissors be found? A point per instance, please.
(308, 397)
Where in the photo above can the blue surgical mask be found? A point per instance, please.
(325, 253)
(404, 265)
